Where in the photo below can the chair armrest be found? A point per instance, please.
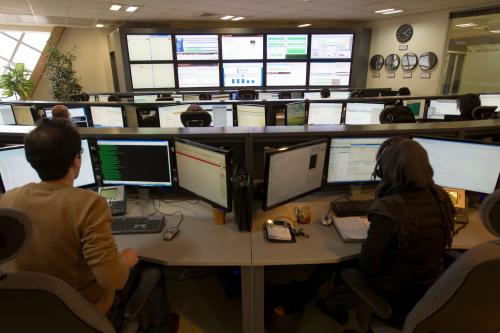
(453, 254)
(147, 284)
(356, 282)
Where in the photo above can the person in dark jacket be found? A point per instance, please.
(411, 225)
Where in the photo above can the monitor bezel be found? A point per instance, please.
(267, 159)
(227, 157)
(169, 141)
(361, 182)
(497, 185)
(90, 119)
(236, 119)
(342, 115)
(346, 112)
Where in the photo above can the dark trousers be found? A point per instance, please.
(155, 313)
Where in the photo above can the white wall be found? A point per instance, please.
(481, 70)
(92, 65)
(429, 34)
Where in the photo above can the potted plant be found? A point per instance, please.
(62, 76)
(15, 82)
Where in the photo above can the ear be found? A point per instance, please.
(77, 161)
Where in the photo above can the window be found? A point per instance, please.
(20, 46)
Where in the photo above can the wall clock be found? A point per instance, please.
(409, 61)
(392, 62)
(377, 62)
(427, 60)
(404, 33)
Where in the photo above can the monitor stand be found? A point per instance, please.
(362, 193)
(143, 196)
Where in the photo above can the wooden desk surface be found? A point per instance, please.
(200, 241)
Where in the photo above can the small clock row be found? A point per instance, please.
(409, 61)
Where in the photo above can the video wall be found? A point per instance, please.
(162, 61)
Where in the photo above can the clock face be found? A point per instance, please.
(427, 60)
(377, 62)
(409, 61)
(404, 33)
(392, 62)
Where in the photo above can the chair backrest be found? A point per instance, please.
(490, 213)
(83, 97)
(32, 302)
(483, 112)
(396, 114)
(465, 298)
(247, 94)
(196, 119)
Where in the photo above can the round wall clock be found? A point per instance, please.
(392, 62)
(427, 60)
(409, 61)
(404, 33)
(377, 62)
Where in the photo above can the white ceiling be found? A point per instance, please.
(88, 12)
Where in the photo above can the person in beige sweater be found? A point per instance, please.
(71, 227)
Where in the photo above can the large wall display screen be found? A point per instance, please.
(198, 75)
(287, 47)
(329, 73)
(242, 74)
(197, 47)
(286, 73)
(242, 47)
(331, 46)
(147, 76)
(149, 47)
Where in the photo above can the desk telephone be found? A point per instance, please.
(457, 197)
(116, 197)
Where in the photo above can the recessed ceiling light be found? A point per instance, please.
(115, 7)
(227, 17)
(395, 11)
(467, 25)
(304, 25)
(239, 18)
(495, 31)
(99, 25)
(384, 10)
(131, 9)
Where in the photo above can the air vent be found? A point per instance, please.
(208, 14)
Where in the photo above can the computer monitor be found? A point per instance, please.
(363, 113)
(197, 47)
(23, 115)
(324, 113)
(329, 73)
(205, 171)
(241, 47)
(77, 116)
(15, 170)
(135, 162)
(468, 165)
(198, 75)
(102, 98)
(268, 96)
(286, 74)
(352, 160)
(145, 98)
(293, 171)
(242, 74)
(107, 116)
(149, 47)
(439, 108)
(416, 106)
(490, 100)
(296, 114)
(7, 115)
(312, 95)
(251, 115)
(222, 114)
(340, 94)
(170, 116)
(331, 46)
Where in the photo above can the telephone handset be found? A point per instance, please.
(116, 197)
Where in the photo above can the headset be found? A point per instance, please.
(377, 171)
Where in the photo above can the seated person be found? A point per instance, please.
(196, 116)
(411, 225)
(466, 104)
(194, 107)
(396, 114)
(60, 111)
(404, 91)
(325, 93)
(72, 237)
(114, 98)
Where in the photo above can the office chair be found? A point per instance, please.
(196, 119)
(247, 94)
(35, 302)
(396, 114)
(83, 97)
(285, 95)
(463, 299)
(483, 112)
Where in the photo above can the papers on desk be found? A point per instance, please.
(352, 228)
(278, 231)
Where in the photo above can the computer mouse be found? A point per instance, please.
(170, 233)
(325, 220)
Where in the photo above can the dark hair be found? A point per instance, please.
(396, 114)
(194, 107)
(404, 91)
(467, 103)
(113, 98)
(51, 148)
(325, 93)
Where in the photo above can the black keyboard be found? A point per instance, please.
(351, 207)
(137, 224)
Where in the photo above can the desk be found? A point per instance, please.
(200, 242)
(324, 245)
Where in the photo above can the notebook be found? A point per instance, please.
(352, 228)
